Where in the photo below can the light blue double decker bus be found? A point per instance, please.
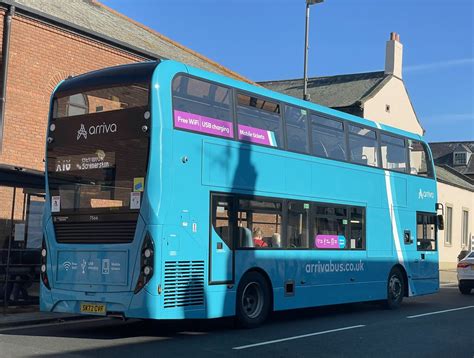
(180, 193)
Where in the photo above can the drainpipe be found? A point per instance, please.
(7, 24)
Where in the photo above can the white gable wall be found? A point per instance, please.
(401, 113)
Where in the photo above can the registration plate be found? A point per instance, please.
(93, 308)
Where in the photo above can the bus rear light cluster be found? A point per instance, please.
(44, 263)
(146, 263)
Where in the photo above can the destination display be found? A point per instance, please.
(98, 160)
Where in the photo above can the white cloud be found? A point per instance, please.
(437, 65)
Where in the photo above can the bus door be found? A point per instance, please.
(420, 247)
(221, 245)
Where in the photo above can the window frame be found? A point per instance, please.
(429, 162)
(448, 227)
(308, 128)
(425, 213)
(405, 147)
(465, 228)
(377, 141)
(347, 229)
(344, 131)
(231, 106)
(282, 138)
(284, 202)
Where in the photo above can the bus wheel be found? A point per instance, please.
(395, 289)
(253, 300)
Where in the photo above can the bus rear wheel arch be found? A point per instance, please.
(254, 299)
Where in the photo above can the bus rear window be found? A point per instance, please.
(101, 100)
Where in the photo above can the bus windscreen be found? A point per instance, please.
(98, 149)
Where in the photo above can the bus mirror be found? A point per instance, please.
(440, 222)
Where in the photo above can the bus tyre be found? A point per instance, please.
(395, 289)
(464, 290)
(253, 300)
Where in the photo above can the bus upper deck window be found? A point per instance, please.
(259, 121)
(328, 139)
(296, 129)
(363, 146)
(419, 159)
(393, 152)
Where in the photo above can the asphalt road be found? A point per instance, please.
(440, 325)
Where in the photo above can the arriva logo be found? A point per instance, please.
(82, 132)
(425, 194)
(98, 129)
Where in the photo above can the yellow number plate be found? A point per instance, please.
(93, 308)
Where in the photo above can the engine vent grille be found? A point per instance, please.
(184, 283)
(95, 232)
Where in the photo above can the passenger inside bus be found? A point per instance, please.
(257, 237)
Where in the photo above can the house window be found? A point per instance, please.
(465, 229)
(460, 158)
(448, 227)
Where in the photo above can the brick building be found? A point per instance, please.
(44, 42)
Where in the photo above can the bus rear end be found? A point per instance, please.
(98, 253)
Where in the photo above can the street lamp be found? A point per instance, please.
(306, 96)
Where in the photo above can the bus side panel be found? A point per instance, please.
(320, 278)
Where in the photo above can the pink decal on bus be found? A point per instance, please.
(203, 124)
(256, 135)
(330, 241)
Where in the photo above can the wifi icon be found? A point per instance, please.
(67, 265)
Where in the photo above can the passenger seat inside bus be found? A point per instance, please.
(276, 240)
(245, 237)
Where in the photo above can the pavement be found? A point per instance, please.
(447, 278)
(35, 317)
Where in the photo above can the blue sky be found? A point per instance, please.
(264, 40)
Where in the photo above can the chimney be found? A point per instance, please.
(394, 55)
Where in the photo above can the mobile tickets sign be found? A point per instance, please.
(257, 135)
